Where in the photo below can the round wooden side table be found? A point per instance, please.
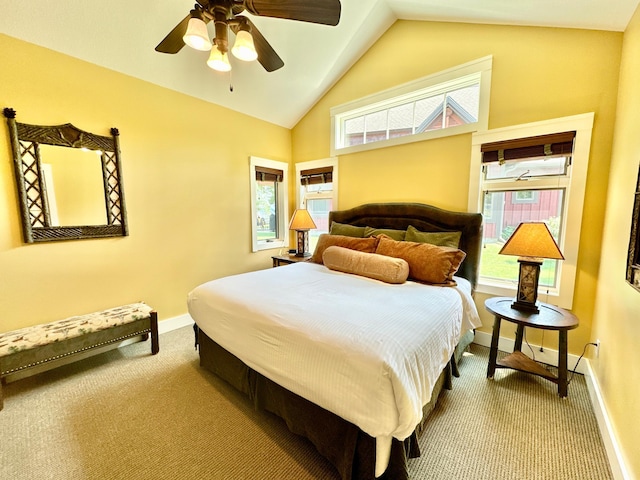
(549, 318)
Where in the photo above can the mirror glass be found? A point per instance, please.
(74, 186)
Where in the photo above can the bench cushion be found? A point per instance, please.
(45, 334)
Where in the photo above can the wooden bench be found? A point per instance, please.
(37, 345)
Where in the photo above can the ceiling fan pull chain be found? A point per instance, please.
(230, 82)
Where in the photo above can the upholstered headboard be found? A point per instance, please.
(425, 218)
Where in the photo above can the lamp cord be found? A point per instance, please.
(573, 372)
(575, 368)
(533, 354)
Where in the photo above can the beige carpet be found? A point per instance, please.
(126, 414)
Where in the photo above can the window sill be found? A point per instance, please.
(269, 245)
(507, 290)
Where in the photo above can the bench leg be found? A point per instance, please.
(155, 341)
(1, 394)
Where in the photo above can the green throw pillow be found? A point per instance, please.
(346, 230)
(441, 239)
(389, 232)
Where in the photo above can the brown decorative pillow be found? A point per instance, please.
(442, 239)
(427, 263)
(379, 267)
(325, 240)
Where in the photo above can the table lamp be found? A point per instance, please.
(302, 222)
(532, 242)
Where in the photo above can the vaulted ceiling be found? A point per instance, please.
(122, 34)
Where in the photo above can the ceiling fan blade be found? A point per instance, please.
(326, 12)
(173, 42)
(267, 56)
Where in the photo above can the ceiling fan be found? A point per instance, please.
(249, 44)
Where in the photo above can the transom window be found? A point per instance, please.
(447, 103)
(429, 110)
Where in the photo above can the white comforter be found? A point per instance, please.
(365, 350)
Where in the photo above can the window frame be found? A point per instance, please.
(301, 197)
(309, 165)
(282, 205)
(391, 97)
(574, 183)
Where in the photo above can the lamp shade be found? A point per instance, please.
(301, 220)
(219, 60)
(532, 239)
(197, 36)
(243, 48)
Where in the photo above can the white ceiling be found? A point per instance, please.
(122, 34)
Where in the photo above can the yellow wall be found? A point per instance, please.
(617, 313)
(538, 74)
(186, 181)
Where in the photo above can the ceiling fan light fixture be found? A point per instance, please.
(197, 36)
(244, 48)
(219, 61)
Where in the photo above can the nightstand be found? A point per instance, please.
(549, 318)
(279, 260)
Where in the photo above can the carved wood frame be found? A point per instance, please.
(36, 220)
(633, 259)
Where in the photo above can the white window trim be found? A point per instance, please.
(482, 66)
(282, 202)
(574, 202)
(324, 162)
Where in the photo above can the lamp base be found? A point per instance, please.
(525, 307)
(302, 240)
(527, 294)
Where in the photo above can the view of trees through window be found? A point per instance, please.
(266, 207)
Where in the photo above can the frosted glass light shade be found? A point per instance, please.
(197, 36)
(244, 49)
(219, 61)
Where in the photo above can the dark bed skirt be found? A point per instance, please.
(347, 447)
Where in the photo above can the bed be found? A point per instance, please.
(338, 356)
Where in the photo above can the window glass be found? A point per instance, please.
(535, 167)
(319, 209)
(464, 102)
(401, 120)
(504, 211)
(266, 208)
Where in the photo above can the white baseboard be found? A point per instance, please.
(174, 323)
(616, 460)
(548, 355)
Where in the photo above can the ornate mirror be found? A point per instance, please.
(69, 182)
(633, 259)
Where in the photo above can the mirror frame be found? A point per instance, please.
(633, 258)
(36, 219)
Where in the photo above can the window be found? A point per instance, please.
(534, 172)
(448, 103)
(318, 193)
(269, 212)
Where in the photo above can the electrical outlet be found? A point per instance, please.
(597, 342)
